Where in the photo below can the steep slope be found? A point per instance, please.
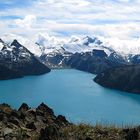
(25, 41)
(17, 61)
(95, 62)
(126, 78)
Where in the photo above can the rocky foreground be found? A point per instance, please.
(42, 124)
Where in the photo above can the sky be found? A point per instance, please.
(119, 19)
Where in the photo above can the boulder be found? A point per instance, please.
(49, 133)
(14, 121)
(31, 126)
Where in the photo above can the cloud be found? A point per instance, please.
(110, 19)
(27, 22)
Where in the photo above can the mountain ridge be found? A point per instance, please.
(17, 61)
(121, 78)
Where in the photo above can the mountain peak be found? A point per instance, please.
(90, 40)
(16, 44)
(1, 41)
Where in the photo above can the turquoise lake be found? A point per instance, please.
(73, 94)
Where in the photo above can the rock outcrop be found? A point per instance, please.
(41, 124)
(26, 123)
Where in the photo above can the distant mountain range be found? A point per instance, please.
(83, 53)
(27, 57)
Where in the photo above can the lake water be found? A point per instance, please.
(74, 94)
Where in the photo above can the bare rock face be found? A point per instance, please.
(29, 124)
(24, 107)
(41, 124)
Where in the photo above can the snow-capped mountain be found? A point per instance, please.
(43, 43)
(26, 42)
(84, 44)
(17, 61)
(58, 52)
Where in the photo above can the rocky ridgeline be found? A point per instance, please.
(30, 124)
(41, 124)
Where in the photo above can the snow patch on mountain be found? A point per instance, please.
(44, 43)
(1, 45)
(85, 44)
(28, 43)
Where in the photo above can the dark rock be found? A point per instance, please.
(6, 73)
(126, 78)
(1, 116)
(62, 119)
(102, 132)
(5, 105)
(49, 133)
(26, 124)
(99, 53)
(138, 128)
(88, 138)
(15, 114)
(16, 44)
(130, 134)
(22, 116)
(42, 108)
(31, 126)
(24, 107)
(32, 112)
(40, 113)
(14, 120)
